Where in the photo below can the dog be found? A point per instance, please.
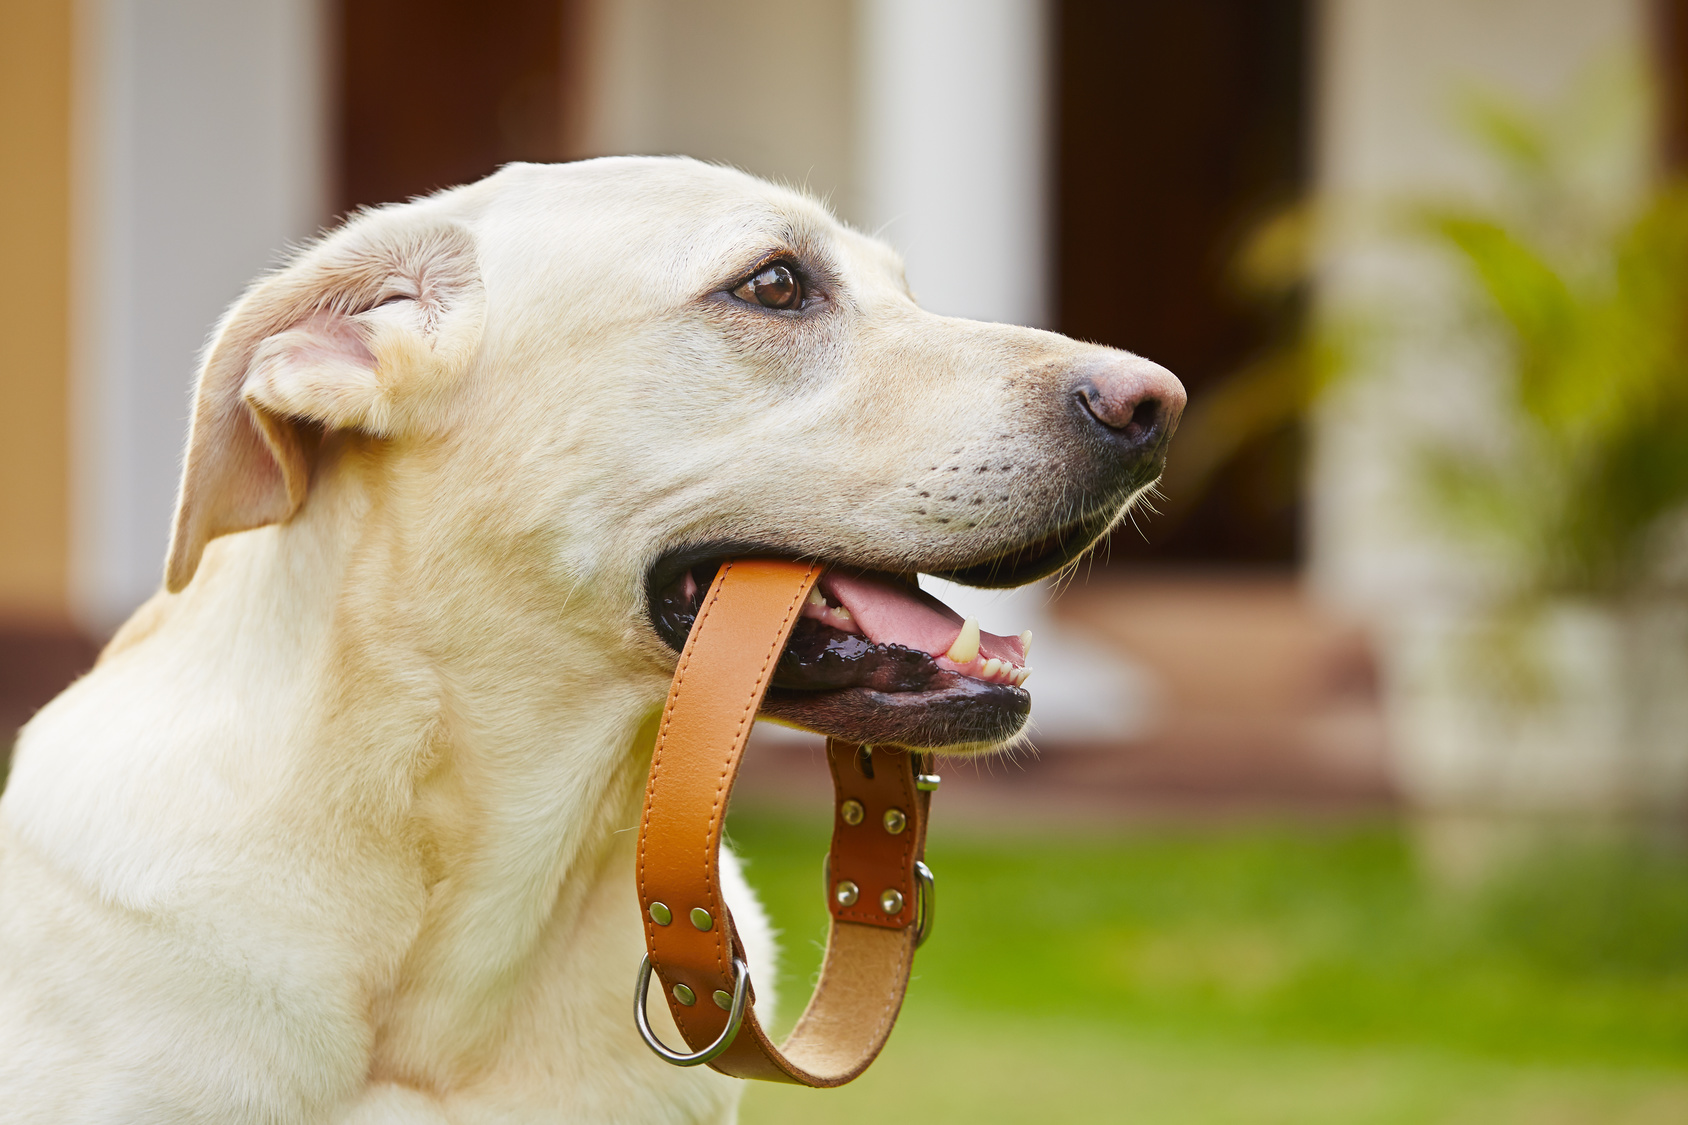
(340, 826)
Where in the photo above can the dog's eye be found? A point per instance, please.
(775, 287)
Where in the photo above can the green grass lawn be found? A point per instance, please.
(1257, 975)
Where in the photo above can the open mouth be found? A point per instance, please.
(873, 658)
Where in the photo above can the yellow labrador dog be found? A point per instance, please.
(340, 828)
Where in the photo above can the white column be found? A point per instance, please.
(953, 147)
(200, 155)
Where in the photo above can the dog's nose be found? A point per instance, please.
(1134, 403)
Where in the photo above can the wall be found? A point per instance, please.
(765, 85)
(35, 85)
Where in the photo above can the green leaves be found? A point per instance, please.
(1593, 453)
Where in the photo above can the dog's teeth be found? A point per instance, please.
(992, 667)
(1022, 676)
(815, 597)
(965, 650)
(842, 614)
(1026, 643)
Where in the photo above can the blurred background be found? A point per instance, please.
(1359, 773)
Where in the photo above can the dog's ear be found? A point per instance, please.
(361, 332)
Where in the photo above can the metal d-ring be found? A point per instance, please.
(926, 904)
(735, 1017)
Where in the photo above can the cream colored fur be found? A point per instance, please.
(340, 830)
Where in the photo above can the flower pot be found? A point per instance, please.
(1574, 708)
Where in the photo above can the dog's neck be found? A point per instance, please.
(434, 724)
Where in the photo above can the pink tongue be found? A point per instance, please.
(891, 613)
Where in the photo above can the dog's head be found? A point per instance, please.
(603, 378)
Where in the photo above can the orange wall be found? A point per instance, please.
(35, 80)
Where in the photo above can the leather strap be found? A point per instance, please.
(879, 836)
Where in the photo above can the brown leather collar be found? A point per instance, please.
(879, 891)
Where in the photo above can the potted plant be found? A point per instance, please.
(1561, 684)
(1551, 674)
